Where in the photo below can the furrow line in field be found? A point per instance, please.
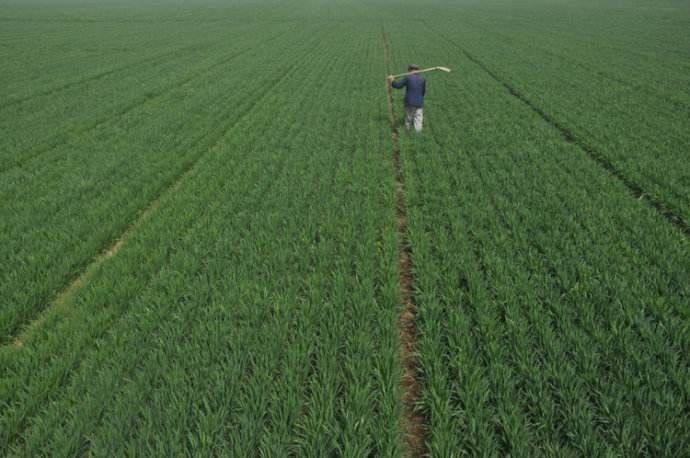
(158, 58)
(663, 208)
(134, 372)
(62, 300)
(413, 421)
(559, 301)
(263, 94)
(592, 68)
(114, 245)
(139, 102)
(635, 86)
(591, 40)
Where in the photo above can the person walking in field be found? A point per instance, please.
(414, 97)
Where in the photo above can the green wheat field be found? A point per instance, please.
(207, 209)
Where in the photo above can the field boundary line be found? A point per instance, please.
(137, 103)
(61, 299)
(413, 422)
(289, 70)
(662, 208)
(596, 69)
(113, 246)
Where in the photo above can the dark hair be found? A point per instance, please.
(412, 67)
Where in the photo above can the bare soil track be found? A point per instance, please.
(413, 422)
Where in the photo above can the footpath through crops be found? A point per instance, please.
(214, 242)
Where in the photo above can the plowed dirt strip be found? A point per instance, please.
(413, 421)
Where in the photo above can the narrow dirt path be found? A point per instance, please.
(413, 421)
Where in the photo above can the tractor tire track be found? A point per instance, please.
(137, 103)
(413, 422)
(112, 321)
(670, 214)
(595, 70)
(61, 300)
(133, 373)
(211, 138)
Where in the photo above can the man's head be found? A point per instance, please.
(412, 67)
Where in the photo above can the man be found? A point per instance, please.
(414, 97)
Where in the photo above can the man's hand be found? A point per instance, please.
(390, 77)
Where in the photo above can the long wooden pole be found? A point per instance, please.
(422, 71)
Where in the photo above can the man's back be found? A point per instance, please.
(416, 88)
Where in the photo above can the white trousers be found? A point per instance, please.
(414, 117)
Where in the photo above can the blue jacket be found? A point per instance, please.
(416, 88)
